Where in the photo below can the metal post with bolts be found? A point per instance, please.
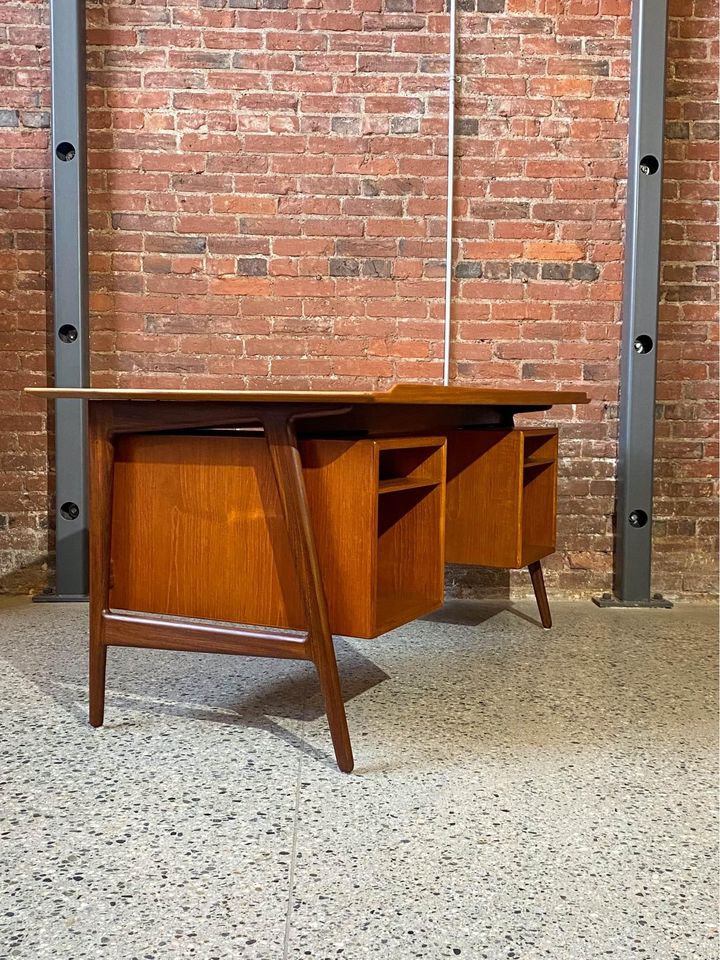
(641, 282)
(70, 271)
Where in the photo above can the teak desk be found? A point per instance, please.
(342, 505)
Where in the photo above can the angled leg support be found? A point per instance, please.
(285, 457)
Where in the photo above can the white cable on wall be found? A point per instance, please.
(450, 197)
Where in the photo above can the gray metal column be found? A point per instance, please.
(633, 545)
(67, 33)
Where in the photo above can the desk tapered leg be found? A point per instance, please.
(287, 467)
(536, 575)
(101, 478)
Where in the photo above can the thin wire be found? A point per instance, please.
(450, 198)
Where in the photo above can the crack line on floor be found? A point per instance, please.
(293, 848)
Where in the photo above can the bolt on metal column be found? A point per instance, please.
(69, 238)
(641, 281)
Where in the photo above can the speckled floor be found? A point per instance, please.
(518, 794)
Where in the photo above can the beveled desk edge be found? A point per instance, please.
(400, 393)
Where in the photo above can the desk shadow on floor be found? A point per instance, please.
(238, 691)
(275, 691)
(472, 613)
(297, 696)
(594, 680)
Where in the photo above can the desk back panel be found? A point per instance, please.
(501, 496)
(198, 531)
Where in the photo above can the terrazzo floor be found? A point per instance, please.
(518, 794)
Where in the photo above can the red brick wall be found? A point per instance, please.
(24, 303)
(686, 530)
(267, 201)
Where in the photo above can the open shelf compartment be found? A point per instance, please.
(539, 447)
(501, 496)
(378, 507)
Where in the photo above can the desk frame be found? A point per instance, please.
(108, 628)
(284, 416)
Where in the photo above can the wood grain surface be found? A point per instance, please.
(198, 530)
(401, 393)
(501, 496)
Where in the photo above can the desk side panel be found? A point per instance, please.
(341, 483)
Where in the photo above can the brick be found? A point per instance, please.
(346, 126)
(252, 266)
(32, 118)
(404, 125)
(542, 250)
(492, 249)
(497, 270)
(241, 285)
(467, 127)
(344, 268)
(555, 271)
(522, 270)
(468, 269)
(377, 268)
(585, 271)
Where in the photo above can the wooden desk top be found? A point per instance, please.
(401, 393)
